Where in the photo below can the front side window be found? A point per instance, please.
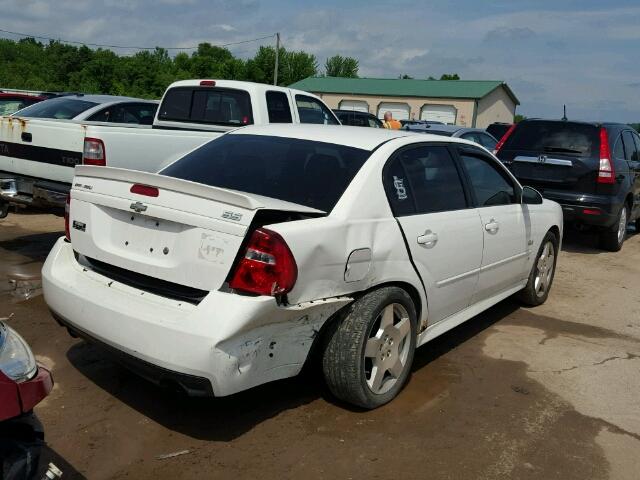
(217, 106)
(423, 180)
(310, 173)
(133, 113)
(490, 185)
(311, 110)
(278, 107)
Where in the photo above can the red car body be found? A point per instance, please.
(20, 398)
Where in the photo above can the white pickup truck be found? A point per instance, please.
(38, 156)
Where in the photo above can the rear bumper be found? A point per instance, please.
(225, 344)
(18, 190)
(596, 210)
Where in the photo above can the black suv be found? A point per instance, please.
(591, 169)
(358, 119)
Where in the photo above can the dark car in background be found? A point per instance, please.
(477, 135)
(498, 129)
(591, 169)
(355, 118)
(11, 102)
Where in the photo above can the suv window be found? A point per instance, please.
(63, 108)
(218, 106)
(314, 174)
(636, 137)
(631, 154)
(555, 137)
(618, 149)
(490, 185)
(278, 107)
(311, 110)
(423, 180)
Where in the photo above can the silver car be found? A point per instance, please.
(478, 135)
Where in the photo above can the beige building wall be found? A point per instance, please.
(464, 107)
(498, 106)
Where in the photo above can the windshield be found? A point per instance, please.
(64, 108)
(314, 174)
(555, 137)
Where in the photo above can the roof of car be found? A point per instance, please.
(356, 137)
(104, 98)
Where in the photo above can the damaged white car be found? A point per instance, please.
(224, 270)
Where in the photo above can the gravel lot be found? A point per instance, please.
(551, 392)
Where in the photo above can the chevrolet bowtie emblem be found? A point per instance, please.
(138, 207)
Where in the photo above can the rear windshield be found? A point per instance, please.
(63, 108)
(555, 137)
(218, 106)
(314, 174)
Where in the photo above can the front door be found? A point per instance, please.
(506, 226)
(443, 233)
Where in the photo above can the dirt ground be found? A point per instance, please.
(545, 393)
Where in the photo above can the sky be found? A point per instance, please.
(584, 54)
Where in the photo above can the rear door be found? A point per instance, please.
(505, 227)
(443, 234)
(554, 155)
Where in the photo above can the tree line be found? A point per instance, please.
(31, 65)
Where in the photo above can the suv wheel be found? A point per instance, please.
(368, 354)
(4, 209)
(613, 239)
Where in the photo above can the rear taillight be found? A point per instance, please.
(67, 209)
(504, 138)
(146, 190)
(267, 266)
(606, 173)
(94, 152)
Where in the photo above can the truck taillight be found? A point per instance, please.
(67, 211)
(504, 138)
(94, 152)
(606, 173)
(267, 266)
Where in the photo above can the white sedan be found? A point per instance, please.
(224, 270)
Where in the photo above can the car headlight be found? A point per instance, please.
(16, 358)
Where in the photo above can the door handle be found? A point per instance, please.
(429, 239)
(492, 227)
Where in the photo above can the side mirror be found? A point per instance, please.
(531, 196)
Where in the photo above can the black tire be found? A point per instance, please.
(4, 209)
(611, 239)
(637, 225)
(530, 294)
(344, 364)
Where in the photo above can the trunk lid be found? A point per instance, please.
(554, 155)
(190, 234)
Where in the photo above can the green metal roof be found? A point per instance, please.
(394, 87)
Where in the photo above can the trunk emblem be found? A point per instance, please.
(138, 207)
(542, 159)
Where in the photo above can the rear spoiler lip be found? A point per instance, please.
(231, 197)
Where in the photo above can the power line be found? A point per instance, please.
(40, 37)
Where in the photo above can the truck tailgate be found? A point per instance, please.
(48, 149)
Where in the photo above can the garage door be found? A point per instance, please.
(400, 111)
(355, 105)
(439, 113)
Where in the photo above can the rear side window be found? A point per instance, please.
(423, 180)
(64, 108)
(555, 137)
(278, 107)
(631, 154)
(217, 106)
(311, 110)
(490, 185)
(314, 174)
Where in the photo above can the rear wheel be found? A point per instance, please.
(541, 277)
(613, 239)
(368, 355)
(4, 209)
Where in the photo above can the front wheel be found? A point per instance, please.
(4, 209)
(368, 355)
(541, 277)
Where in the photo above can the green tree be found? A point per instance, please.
(450, 76)
(339, 66)
(404, 76)
(518, 118)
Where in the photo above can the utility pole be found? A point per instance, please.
(275, 71)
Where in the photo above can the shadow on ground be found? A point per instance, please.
(588, 242)
(226, 418)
